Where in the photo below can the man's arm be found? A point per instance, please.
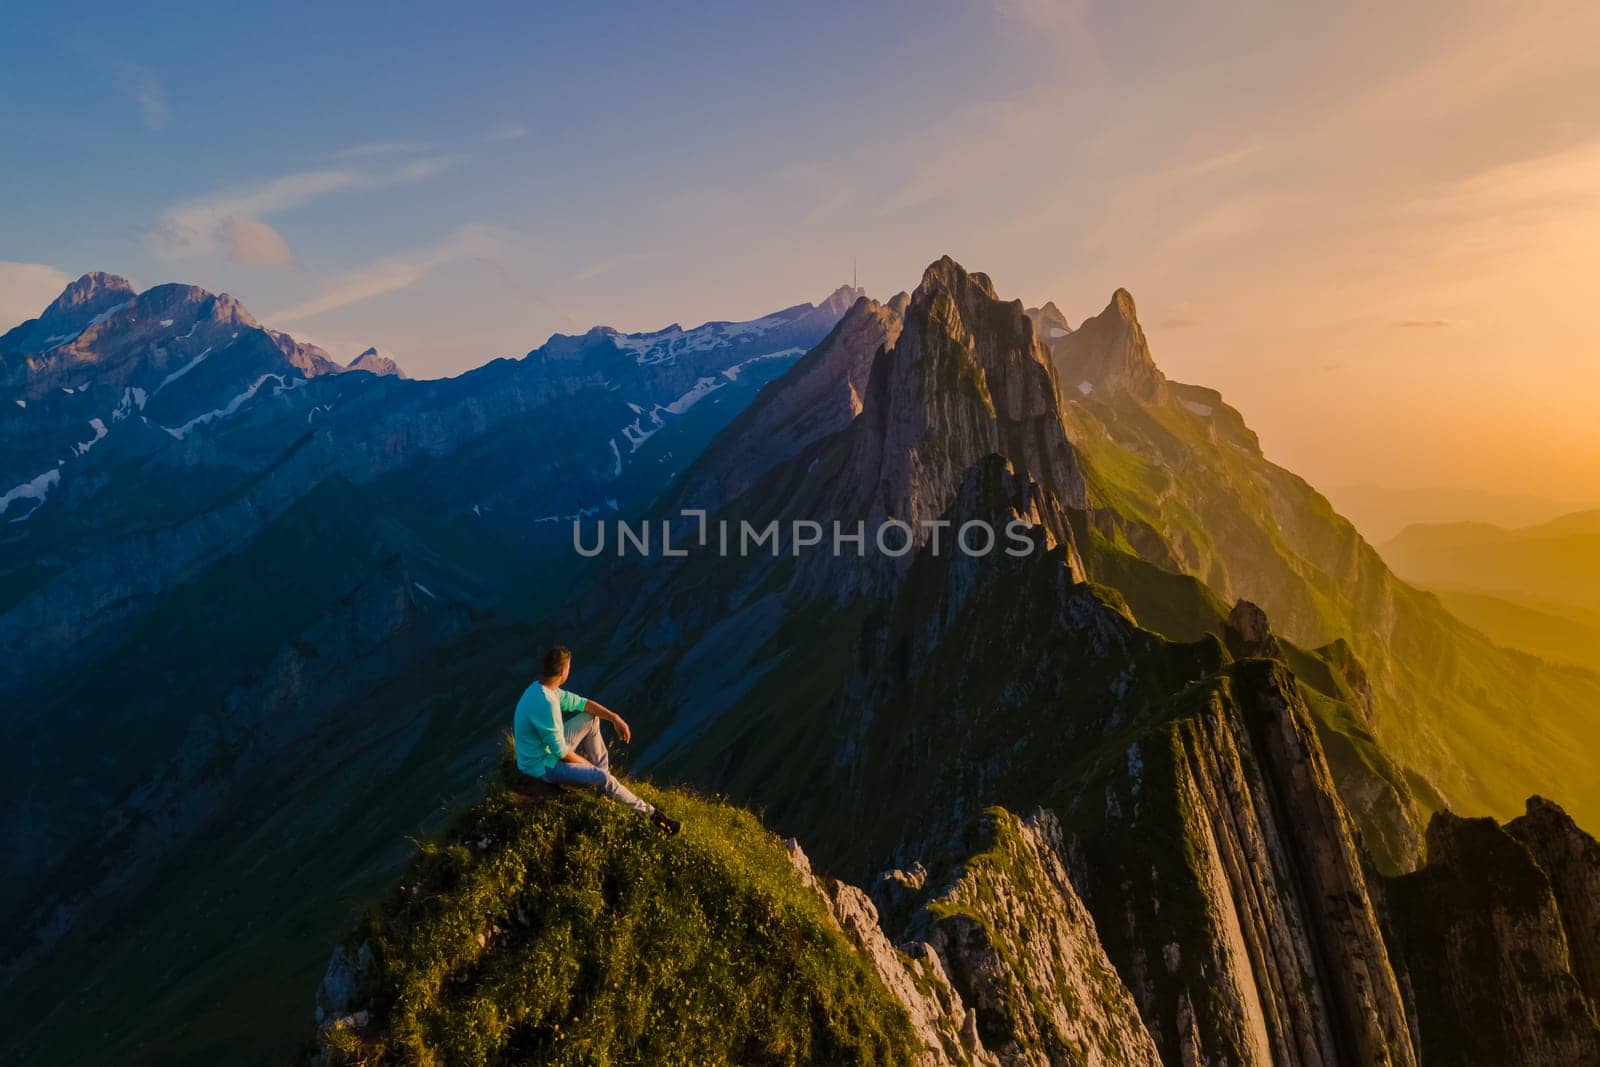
(595, 709)
(600, 711)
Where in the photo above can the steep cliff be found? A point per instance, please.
(1497, 937)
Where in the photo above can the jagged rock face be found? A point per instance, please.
(1570, 858)
(1108, 353)
(914, 974)
(1246, 930)
(966, 378)
(1483, 935)
(999, 963)
(1024, 953)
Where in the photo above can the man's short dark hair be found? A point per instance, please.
(556, 660)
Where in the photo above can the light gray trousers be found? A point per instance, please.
(583, 735)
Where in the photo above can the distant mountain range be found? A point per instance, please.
(1556, 561)
(1169, 787)
(1534, 587)
(1382, 512)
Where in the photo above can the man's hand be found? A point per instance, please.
(600, 711)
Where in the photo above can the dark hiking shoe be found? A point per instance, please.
(666, 823)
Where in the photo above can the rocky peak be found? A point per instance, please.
(841, 299)
(90, 295)
(375, 361)
(1109, 352)
(1049, 322)
(965, 379)
(94, 295)
(223, 308)
(946, 274)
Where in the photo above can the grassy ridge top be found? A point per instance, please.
(569, 930)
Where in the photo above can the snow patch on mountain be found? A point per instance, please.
(99, 428)
(133, 398)
(665, 345)
(636, 432)
(702, 389)
(232, 406)
(581, 513)
(36, 488)
(732, 373)
(181, 371)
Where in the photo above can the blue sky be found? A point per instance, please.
(1349, 220)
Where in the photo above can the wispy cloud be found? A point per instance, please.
(604, 266)
(204, 224)
(474, 240)
(383, 148)
(27, 289)
(1423, 324)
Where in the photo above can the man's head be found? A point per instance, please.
(557, 665)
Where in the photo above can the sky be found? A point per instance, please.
(1375, 228)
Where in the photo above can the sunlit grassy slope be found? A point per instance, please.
(569, 930)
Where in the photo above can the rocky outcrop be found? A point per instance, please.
(1570, 858)
(945, 1029)
(1249, 635)
(1492, 948)
(998, 962)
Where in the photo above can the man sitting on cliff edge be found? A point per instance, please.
(557, 737)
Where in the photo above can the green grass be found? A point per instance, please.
(603, 941)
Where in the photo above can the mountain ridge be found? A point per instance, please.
(1219, 772)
